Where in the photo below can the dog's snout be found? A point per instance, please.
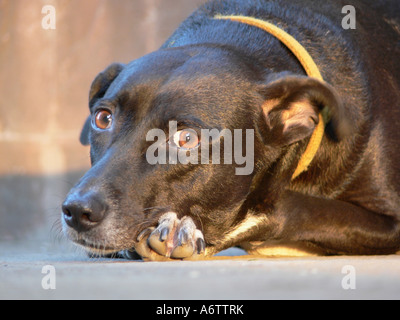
(83, 213)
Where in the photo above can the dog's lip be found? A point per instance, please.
(98, 247)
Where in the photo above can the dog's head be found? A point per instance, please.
(198, 130)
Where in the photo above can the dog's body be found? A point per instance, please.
(227, 75)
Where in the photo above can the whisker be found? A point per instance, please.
(149, 208)
(201, 222)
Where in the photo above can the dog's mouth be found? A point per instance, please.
(102, 250)
(99, 248)
(100, 244)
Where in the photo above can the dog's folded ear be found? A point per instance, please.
(103, 81)
(292, 106)
(98, 89)
(84, 137)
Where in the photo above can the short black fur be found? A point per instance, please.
(227, 75)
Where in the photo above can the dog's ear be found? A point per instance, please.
(84, 138)
(103, 81)
(292, 106)
(98, 89)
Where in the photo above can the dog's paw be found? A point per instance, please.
(172, 238)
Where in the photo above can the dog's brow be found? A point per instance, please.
(123, 98)
(192, 122)
(103, 103)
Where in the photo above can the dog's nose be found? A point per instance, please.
(84, 213)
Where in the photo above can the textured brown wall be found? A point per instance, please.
(45, 76)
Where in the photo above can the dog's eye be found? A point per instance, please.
(103, 119)
(186, 139)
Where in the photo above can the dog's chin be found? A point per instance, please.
(97, 248)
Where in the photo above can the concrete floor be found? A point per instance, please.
(244, 277)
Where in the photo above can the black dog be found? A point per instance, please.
(222, 74)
